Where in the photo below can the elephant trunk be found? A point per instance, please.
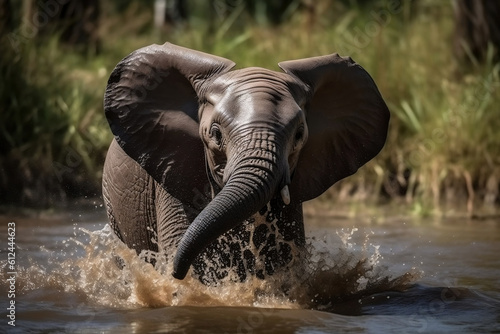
(249, 188)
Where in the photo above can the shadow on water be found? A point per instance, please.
(373, 278)
(419, 298)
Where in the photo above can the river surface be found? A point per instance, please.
(378, 275)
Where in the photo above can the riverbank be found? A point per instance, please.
(322, 208)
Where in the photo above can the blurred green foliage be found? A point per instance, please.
(443, 140)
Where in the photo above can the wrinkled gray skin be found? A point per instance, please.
(201, 151)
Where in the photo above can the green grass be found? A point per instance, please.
(51, 125)
(442, 148)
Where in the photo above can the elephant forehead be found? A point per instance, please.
(254, 94)
(253, 80)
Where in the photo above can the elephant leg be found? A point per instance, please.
(128, 193)
(230, 254)
(141, 212)
(173, 218)
(278, 236)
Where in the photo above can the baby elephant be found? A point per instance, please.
(211, 165)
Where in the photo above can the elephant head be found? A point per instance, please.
(264, 133)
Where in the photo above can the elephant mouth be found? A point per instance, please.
(219, 171)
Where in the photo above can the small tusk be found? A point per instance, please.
(285, 195)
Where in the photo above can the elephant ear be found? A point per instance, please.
(151, 103)
(347, 120)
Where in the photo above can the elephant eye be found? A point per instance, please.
(299, 135)
(299, 138)
(216, 134)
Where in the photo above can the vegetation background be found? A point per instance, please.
(435, 63)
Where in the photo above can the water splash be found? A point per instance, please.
(342, 270)
(98, 266)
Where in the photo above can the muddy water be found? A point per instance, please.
(382, 275)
